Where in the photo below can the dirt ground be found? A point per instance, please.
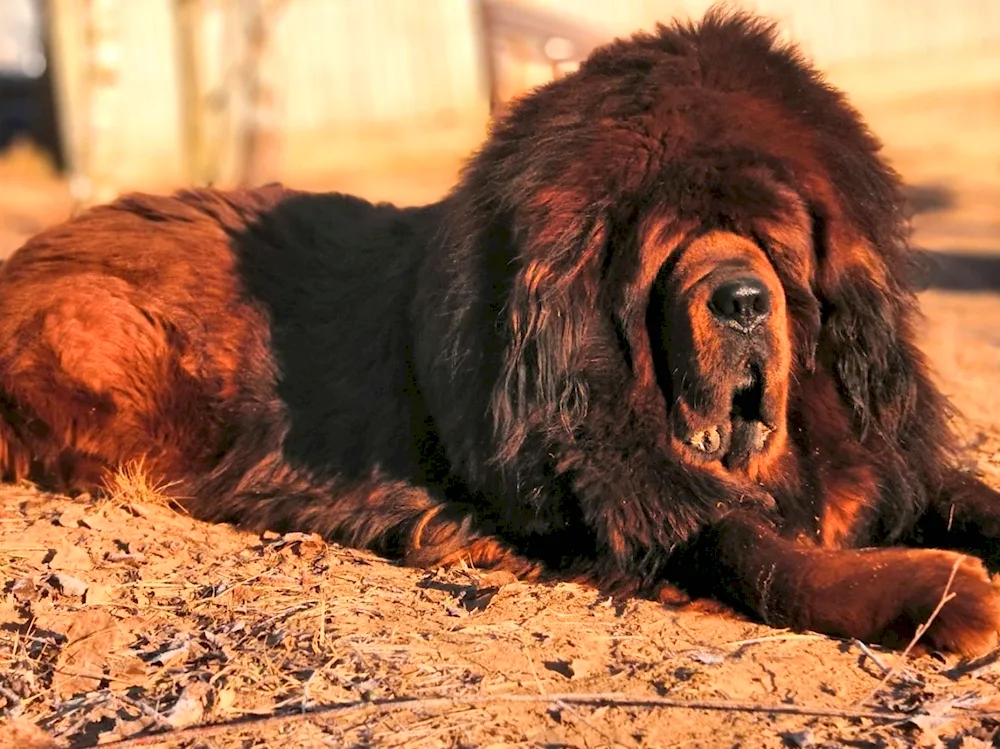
(120, 616)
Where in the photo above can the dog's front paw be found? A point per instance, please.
(949, 598)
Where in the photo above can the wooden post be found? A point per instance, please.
(188, 15)
(259, 138)
(96, 181)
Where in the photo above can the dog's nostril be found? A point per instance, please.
(744, 301)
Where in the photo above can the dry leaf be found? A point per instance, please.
(9, 609)
(581, 668)
(479, 599)
(70, 557)
(937, 714)
(69, 518)
(25, 590)
(172, 656)
(67, 584)
(294, 536)
(224, 700)
(132, 559)
(190, 706)
(497, 579)
(96, 521)
(706, 657)
(92, 636)
(97, 595)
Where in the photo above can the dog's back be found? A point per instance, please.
(178, 330)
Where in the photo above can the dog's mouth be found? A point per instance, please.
(750, 426)
(746, 430)
(748, 395)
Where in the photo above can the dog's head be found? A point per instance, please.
(721, 313)
(695, 218)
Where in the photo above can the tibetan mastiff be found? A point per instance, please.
(660, 337)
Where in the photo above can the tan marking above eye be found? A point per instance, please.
(655, 246)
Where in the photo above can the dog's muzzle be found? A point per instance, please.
(725, 359)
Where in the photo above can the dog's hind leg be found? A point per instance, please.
(875, 595)
(97, 375)
(388, 516)
(91, 379)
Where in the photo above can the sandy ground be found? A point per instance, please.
(119, 616)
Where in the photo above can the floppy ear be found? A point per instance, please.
(866, 339)
(550, 312)
(790, 242)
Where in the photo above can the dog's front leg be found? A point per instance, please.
(964, 515)
(874, 595)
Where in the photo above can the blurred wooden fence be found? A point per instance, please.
(162, 92)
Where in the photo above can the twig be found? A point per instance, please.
(946, 595)
(534, 673)
(615, 699)
(412, 737)
(775, 638)
(146, 709)
(559, 703)
(872, 657)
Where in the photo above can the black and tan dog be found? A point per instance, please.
(660, 333)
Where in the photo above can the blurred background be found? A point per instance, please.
(386, 98)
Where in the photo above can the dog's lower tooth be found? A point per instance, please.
(708, 440)
(761, 436)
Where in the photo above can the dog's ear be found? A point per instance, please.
(550, 315)
(868, 310)
(788, 237)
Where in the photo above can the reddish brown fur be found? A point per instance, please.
(549, 371)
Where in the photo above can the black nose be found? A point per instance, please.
(743, 301)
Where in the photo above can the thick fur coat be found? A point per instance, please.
(658, 338)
